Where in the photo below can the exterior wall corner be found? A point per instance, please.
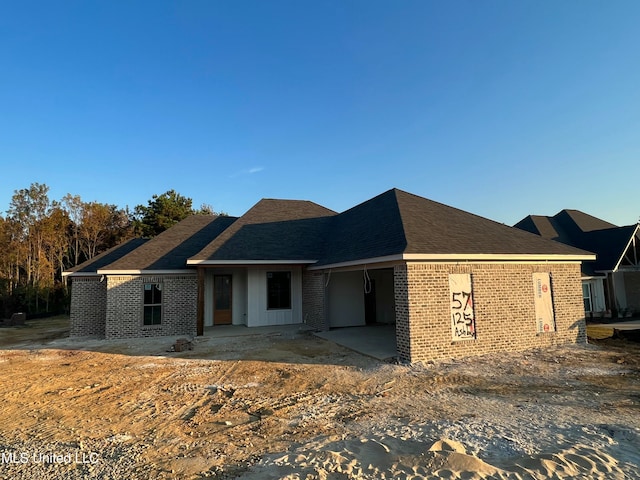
(313, 300)
(88, 306)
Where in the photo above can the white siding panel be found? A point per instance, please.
(239, 297)
(620, 291)
(257, 313)
(597, 291)
(346, 299)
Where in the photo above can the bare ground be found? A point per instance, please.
(292, 405)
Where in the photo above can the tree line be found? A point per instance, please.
(41, 238)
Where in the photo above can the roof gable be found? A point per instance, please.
(608, 244)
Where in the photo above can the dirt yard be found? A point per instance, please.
(294, 406)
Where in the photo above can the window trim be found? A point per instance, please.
(152, 305)
(289, 277)
(588, 298)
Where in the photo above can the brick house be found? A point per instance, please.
(453, 283)
(611, 282)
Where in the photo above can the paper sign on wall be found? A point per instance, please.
(545, 321)
(463, 326)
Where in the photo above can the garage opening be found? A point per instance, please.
(360, 306)
(361, 297)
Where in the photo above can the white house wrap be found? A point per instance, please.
(545, 321)
(460, 293)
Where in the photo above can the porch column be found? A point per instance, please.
(200, 310)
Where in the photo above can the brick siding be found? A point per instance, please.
(124, 306)
(88, 306)
(503, 309)
(313, 299)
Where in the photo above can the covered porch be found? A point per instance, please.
(249, 295)
(622, 281)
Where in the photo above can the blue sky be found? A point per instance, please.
(500, 108)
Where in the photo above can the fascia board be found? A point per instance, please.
(146, 272)
(249, 262)
(624, 250)
(462, 257)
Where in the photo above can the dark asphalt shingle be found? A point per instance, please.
(171, 249)
(392, 223)
(584, 231)
(107, 257)
(272, 230)
(397, 222)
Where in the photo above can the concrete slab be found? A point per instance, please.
(377, 341)
(630, 325)
(221, 331)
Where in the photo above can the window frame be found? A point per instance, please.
(281, 293)
(588, 298)
(154, 306)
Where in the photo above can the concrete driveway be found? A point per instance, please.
(377, 341)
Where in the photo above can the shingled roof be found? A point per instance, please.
(394, 225)
(91, 267)
(397, 223)
(566, 226)
(584, 231)
(170, 249)
(271, 230)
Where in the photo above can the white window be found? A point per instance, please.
(587, 297)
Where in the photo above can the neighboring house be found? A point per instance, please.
(453, 283)
(611, 282)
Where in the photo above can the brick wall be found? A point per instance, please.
(88, 306)
(125, 306)
(313, 299)
(503, 309)
(401, 294)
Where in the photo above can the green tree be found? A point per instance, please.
(163, 211)
(207, 209)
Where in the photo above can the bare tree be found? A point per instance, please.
(94, 229)
(73, 205)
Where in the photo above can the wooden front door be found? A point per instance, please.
(222, 300)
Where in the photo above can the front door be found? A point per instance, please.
(222, 300)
